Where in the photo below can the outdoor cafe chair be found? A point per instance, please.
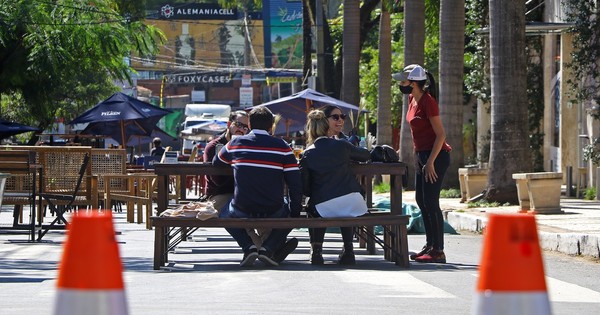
(59, 204)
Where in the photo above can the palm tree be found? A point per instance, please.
(384, 106)
(509, 147)
(414, 51)
(451, 64)
(351, 53)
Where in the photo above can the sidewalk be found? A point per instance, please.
(575, 232)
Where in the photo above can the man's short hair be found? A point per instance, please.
(234, 115)
(262, 118)
(157, 141)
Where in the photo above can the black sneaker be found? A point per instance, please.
(250, 256)
(285, 250)
(347, 257)
(267, 257)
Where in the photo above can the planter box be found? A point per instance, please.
(472, 182)
(539, 192)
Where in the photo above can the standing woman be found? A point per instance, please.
(432, 157)
(329, 182)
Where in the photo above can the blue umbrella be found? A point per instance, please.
(293, 109)
(121, 117)
(8, 128)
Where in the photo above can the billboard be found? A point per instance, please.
(283, 33)
(203, 36)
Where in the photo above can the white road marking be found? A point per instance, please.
(398, 284)
(562, 291)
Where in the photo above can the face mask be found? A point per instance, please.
(406, 89)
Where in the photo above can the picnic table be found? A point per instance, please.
(395, 238)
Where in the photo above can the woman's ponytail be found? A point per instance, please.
(431, 87)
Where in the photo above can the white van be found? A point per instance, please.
(196, 114)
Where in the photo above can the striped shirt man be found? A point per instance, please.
(262, 166)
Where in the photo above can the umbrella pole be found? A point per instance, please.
(123, 143)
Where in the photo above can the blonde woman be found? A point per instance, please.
(332, 189)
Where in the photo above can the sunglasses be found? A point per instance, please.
(240, 125)
(337, 117)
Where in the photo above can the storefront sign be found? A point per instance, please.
(196, 11)
(246, 95)
(214, 79)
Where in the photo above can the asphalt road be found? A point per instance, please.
(204, 278)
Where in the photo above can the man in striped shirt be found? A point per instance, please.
(262, 166)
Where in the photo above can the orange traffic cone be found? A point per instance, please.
(90, 277)
(511, 275)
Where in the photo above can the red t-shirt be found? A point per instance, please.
(420, 127)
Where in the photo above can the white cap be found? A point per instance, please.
(412, 72)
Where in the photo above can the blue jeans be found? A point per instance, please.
(427, 195)
(274, 241)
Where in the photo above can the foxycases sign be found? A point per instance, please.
(195, 11)
(201, 78)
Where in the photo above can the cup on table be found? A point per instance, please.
(298, 150)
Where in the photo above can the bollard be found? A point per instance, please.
(569, 180)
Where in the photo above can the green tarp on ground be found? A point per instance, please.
(415, 222)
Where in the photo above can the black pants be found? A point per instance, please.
(428, 197)
(317, 235)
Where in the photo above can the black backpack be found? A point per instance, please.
(384, 153)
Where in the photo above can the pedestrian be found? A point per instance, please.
(158, 149)
(432, 156)
(329, 183)
(261, 165)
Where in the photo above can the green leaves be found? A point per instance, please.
(51, 51)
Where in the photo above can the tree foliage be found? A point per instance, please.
(61, 56)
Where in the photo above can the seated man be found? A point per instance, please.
(219, 189)
(261, 165)
(158, 149)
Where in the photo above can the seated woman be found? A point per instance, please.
(332, 189)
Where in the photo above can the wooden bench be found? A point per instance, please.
(170, 231)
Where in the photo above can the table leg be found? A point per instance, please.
(160, 255)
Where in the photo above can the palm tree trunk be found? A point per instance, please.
(452, 30)
(384, 106)
(414, 52)
(509, 147)
(351, 58)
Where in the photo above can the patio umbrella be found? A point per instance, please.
(156, 133)
(120, 117)
(293, 109)
(8, 128)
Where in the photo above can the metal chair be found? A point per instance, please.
(61, 203)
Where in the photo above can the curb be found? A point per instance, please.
(574, 244)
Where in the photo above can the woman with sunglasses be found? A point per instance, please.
(432, 157)
(336, 121)
(327, 180)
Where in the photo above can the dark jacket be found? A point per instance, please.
(216, 185)
(325, 168)
(262, 166)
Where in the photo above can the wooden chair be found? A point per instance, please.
(22, 187)
(61, 203)
(108, 162)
